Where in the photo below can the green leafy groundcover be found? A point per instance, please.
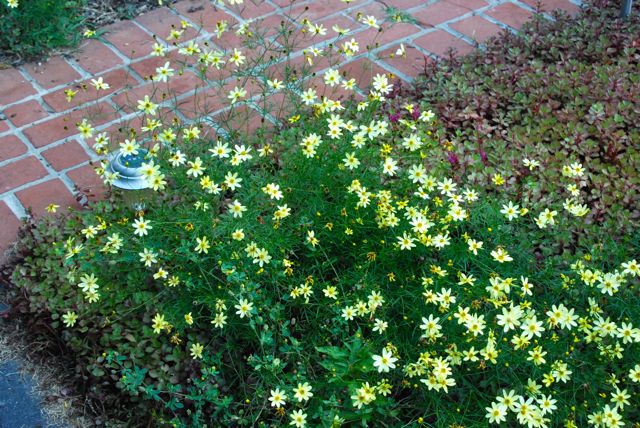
(35, 28)
(567, 90)
(31, 27)
(346, 273)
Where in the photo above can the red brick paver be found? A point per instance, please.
(95, 57)
(440, 12)
(404, 4)
(476, 28)
(252, 9)
(9, 229)
(65, 125)
(11, 147)
(130, 40)
(411, 64)
(510, 14)
(162, 21)
(363, 70)
(65, 155)
(86, 92)
(20, 172)
(440, 42)
(25, 113)
(315, 10)
(471, 5)
(204, 14)
(38, 197)
(43, 157)
(53, 72)
(13, 86)
(87, 181)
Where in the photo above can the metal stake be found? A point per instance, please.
(130, 177)
(625, 10)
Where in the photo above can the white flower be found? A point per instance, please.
(148, 257)
(303, 392)
(371, 21)
(496, 413)
(236, 94)
(390, 166)
(309, 96)
(501, 256)
(221, 150)
(262, 257)
(88, 283)
(236, 208)
(275, 84)
(244, 308)
(332, 77)
(631, 268)
(232, 180)
(100, 84)
(129, 147)
(158, 50)
(510, 211)
(298, 418)
(384, 362)
(219, 320)
(531, 164)
(141, 227)
(163, 73)
(380, 326)
(277, 398)
(381, 84)
(406, 241)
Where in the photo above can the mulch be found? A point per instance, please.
(104, 12)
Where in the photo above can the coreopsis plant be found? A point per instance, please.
(330, 279)
(318, 274)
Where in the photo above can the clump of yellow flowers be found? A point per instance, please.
(332, 279)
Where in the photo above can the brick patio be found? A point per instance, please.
(42, 157)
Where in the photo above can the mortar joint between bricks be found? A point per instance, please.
(36, 152)
(34, 83)
(125, 59)
(84, 74)
(14, 205)
(525, 6)
(498, 23)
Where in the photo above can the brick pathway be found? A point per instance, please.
(42, 157)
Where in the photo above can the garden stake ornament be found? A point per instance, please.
(130, 177)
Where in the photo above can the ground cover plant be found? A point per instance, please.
(558, 92)
(32, 29)
(34, 26)
(336, 269)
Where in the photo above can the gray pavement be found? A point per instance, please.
(18, 407)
